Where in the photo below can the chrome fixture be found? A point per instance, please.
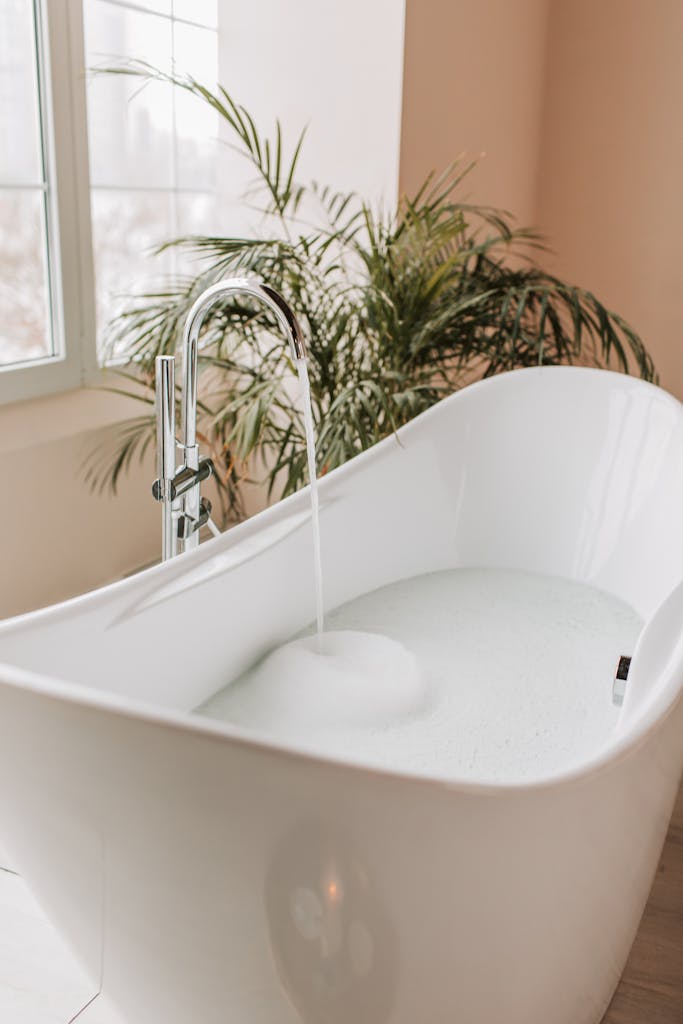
(620, 680)
(184, 511)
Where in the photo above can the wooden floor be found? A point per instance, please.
(651, 990)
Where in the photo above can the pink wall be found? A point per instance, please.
(577, 104)
(610, 184)
(473, 85)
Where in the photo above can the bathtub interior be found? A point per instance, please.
(567, 472)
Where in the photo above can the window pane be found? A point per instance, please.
(20, 159)
(160, 6)
(127, 226)
(149, 145)
(203, 11)
(24, 333)
(196, 123)
(196, 214)
(130, 122)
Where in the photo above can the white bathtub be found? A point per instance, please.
(169, 849)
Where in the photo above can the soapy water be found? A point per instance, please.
(465, 674)
(340, 681)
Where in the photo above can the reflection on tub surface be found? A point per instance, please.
(330, 935)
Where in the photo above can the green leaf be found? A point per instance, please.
(399, 309)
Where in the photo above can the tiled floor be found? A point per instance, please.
(40, 982)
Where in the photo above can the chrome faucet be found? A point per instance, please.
(184, 511)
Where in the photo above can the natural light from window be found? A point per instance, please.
(151, 145)
(26, 330)
(149, 176)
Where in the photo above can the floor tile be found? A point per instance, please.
(40, 981)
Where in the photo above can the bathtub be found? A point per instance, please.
(203, 875)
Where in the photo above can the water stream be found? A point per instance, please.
(305, 387)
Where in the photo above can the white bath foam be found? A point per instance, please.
(516, 670)
(342, 680)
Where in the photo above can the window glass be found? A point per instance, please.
(159, 6)
(127, 227)
(20, 154)
(152, 146)
(195, 121)
(202, 12)
(130, 124)
(25, 323)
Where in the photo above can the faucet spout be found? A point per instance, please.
(207, 300)
(183, 504)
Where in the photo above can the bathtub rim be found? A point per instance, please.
(623, 745)
(185, 562)
(623, 741)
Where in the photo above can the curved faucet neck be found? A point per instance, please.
(207, 300)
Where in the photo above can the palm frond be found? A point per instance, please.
(399, 310)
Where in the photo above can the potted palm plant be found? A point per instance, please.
(399, 311)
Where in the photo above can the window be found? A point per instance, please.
(151, 161)
(28, 331)
(95, 172)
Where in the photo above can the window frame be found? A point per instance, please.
(62, 84)
(63, 122)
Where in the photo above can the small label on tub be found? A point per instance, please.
(622, 668)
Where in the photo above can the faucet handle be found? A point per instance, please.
(188, 526)
(182, 481)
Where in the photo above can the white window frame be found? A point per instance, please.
(60, 47)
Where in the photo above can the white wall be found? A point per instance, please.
(336, 67)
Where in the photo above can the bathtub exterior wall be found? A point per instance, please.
(197, 873)
(187, 867)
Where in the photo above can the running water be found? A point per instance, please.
(305, 387)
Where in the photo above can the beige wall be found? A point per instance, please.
(610, 192)
(58, 539)
(576, 104)
(473, 85)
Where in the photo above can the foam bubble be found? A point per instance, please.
(508, 676)
(341, 679)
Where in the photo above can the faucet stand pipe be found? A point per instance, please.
(166, 452)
